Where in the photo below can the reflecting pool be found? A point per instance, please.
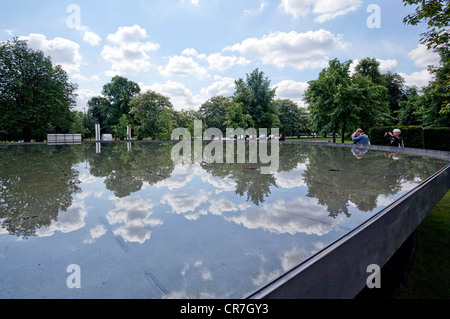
(140, 226)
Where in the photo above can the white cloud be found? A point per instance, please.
(302, 215)
(180, 96)
(62, 51)
(222, 63)
(388, 65)
(292, 90)
(297, 8)
(68, 221)
(129, 56)
(182, 203)
(92, 38)
(422, 57)
(221, 205)
(330, 9)
(324, 10)
(300, 50)
(262, 6)
(419, 79)
(183, 66)
(293, 258)
(133, 216)
(224, 86)
(195, 3)
(95, 233)
(291, 179)
(84, 95)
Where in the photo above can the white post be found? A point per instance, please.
(97, 132)
(128, 133)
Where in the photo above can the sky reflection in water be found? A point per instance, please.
(140, 226)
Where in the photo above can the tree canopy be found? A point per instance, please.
(338, 102)
(36, 97)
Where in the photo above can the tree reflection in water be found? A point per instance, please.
(39, 182)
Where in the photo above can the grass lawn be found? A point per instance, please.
(429, 277)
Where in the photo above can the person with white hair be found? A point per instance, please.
(394, 138)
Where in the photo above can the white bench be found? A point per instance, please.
(55, 139)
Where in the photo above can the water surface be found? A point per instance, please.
(140, 226)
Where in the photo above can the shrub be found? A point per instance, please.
(413, 136)
(437, 138)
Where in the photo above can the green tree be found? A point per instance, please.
(371, 67)
(78, 125)
(409, 110)
(114, 102)
(214, 112)
(320, 97)
(120, 130)
(293, 119)
(35, 97)
(338, 102)
(397, 91)
(96, 109)
(186, 118)
(146, 109)
(236, 117)
(257, 99)
(166, 123)
(436, 15)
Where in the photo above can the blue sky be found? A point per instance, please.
(191, 50)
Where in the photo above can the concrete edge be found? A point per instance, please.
(340, 270)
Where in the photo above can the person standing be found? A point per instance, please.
(394, 138)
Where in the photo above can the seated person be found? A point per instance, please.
(359, 137)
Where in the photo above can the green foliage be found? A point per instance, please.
(413, 136)
(78, 126)
(396, 91)
(214, 112)
(185, 119)
(437, 138)
(370, 67)
(257, 99)
(409, 110)
(35, 96)
(436, 15)
(293, 119)
(120, 130)
(236, 117)
(114, 102)
(338, 102)
(166, 123)
(146, 109)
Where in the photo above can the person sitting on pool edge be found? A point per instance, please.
(394, 138)
(359, 137)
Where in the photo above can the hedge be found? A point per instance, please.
(437, 138)
(413, 136)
